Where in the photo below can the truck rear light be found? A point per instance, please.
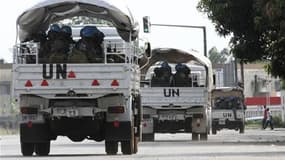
(116, 124)
(144, 125)
(71, 74)
(29, 110)
(44, 83)
(30, 124)
(117, 109)
(28, 84)
(115, 83)
(95, 83)
(198, 122)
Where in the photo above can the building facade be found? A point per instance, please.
(6, 107)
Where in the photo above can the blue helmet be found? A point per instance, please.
(179, 66)
(164, 64)
(89, 31)
(66, 29)
(54, 28)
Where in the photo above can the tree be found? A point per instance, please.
(217, 57)
(257, 26)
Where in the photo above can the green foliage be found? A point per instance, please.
(217, 57)
(254, 124)
(257, 26)
(277, 122)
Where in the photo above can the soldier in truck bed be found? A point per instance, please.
(89, 48)
(60, 43)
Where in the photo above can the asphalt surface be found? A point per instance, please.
(226, 145)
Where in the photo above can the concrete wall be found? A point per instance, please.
(5, 89)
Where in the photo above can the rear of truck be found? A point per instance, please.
(176, 105)
(175, 110)
(228, 109)
(80, 101)
(96, 101)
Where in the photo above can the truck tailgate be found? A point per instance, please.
(157, 96)
(90, 80)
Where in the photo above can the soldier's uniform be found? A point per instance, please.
(88, 49)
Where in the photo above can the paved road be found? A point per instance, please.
(228, 144)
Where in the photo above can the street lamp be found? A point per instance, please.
(147, 24)
(187, 26)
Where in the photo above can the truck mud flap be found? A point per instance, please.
(34, 132)
(118, 131)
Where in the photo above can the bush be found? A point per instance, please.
(253, 124)
(277, 122)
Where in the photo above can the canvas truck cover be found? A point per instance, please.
(227, 91)
(179, 55)
(39, 17)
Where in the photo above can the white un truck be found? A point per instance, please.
(95, 100)
(176, 99)
(228, 109)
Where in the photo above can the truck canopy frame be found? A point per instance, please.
(39, 17)
(178, 55)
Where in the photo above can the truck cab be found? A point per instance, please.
(228, 109)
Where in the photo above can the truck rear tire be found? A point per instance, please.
(204, 136)
(136, 141)
(42, 149)
(149, 137)
(130, 146)
(27, 149)
(214, 131)
(111, 147)
(127, 147)
(241, 129)
(194, 136)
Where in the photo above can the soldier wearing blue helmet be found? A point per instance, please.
(66, 30)
(165, 76)
(181, 77)
(88, 48)
(58, 43)
(53, 32)
(66, 35)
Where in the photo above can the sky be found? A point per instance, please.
(178, 12)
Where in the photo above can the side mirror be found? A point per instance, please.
(146, 24)
(147, 49)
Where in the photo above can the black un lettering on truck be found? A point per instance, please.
(171, 92)
(60, 71)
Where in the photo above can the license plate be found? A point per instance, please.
(167, 117)
(29, 117)
(72, 113)
(222, 121)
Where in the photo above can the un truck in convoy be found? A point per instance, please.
(228, 109)
(177, 100)
(80, 100)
